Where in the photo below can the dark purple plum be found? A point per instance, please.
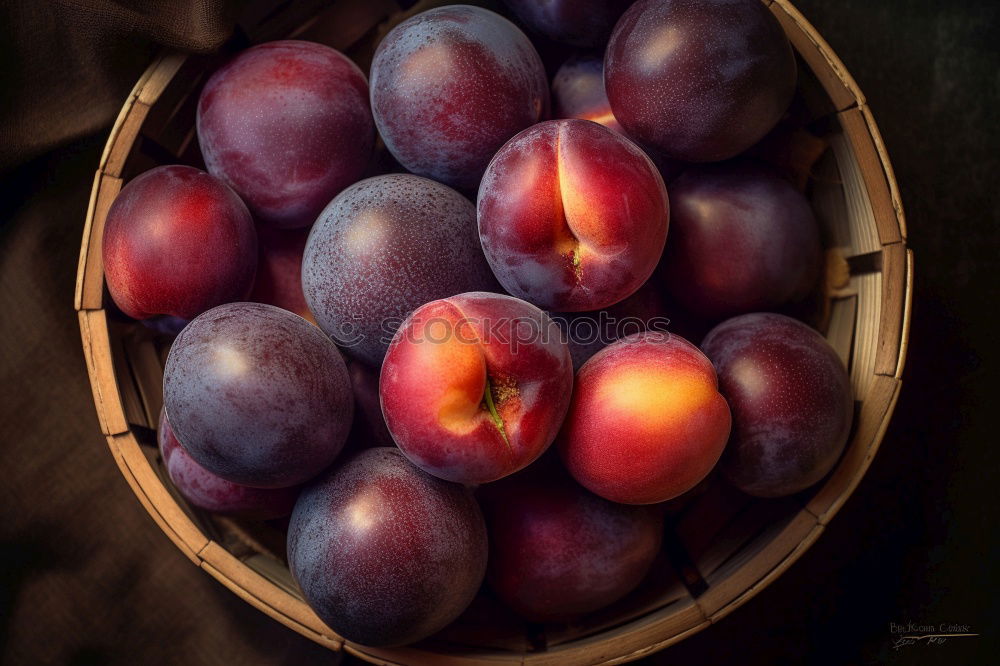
(288, 125)
(790, 398)
(213, 493)
(574, 22)
(557, 551)
(258, 395)
(384, 553)
(700, 80)
(578, 92)
(383, 248)
(742, 239)
(449, 86)
(177, 242)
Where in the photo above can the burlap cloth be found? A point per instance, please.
(87, 577)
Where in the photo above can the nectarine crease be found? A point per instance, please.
(470, 391)
(572, 216)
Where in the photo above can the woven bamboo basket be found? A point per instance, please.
(722, 547)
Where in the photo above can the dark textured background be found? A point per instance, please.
(86, 576)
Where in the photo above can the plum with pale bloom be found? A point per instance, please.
(385, 553)
(647, 421)
(258, 395)
(474, 387)
(383, 248)
(572, 216)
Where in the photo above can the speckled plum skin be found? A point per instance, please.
(385, 553)
(742, 240)
(177, 242)
(449, 86)
(474, 387)
(213, 493)
(279, 270)
(258, 395)
(701, 80)
(558, 551)
(791, 401)
(574, 22)
(287, 125)
(647, 421)
(384, 247)
(578, 92)
(572, 216)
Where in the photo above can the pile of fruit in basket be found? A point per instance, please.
(643, 184)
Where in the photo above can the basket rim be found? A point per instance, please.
(637, 637)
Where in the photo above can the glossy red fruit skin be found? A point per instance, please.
(279, 270)
(699, 80)
(572, 216)
(742, 240)
(449, 86)
(557, 551)
(574, 22)
(791, 401)
(385, 553)
(258, 395)
(578, 92)
(647, 422)
(213, 493)
(434, 379)
(177, 241)
(383, 248)
(287, 124)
